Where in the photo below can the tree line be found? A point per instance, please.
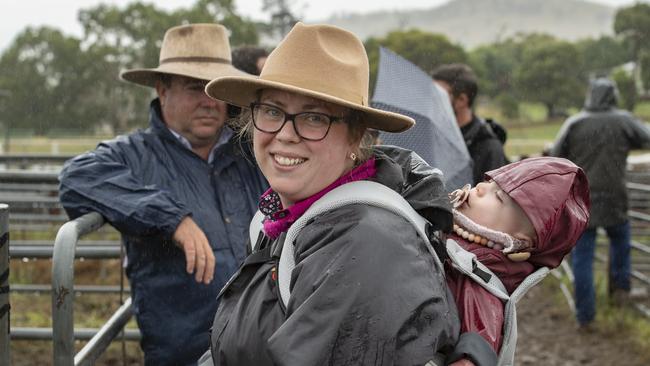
(50, 81)
(539, 67)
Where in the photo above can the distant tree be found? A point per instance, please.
(600, 56)
(633, 24)
(242, 30)
(550, 73)
(494, 65)
(644, 73)
(122, 38)
(508, 104)
(626, 88)
(49, 78)
(137, 29)
(60, 82)
(283, 18)
(426, 50)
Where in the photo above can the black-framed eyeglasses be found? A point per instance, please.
(311, 126)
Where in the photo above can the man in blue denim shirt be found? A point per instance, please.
(181, 192)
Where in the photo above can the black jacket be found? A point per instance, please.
(598, 139)
(365, 289)
(484, 147)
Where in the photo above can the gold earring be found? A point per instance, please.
(353, 156)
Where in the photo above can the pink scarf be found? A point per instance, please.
(278, 220)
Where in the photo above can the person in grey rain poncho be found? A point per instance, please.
(365, 289)
(598, 139)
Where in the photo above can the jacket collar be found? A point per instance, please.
(156, 121)
(471, 130)
(421, 185)
(279, 219)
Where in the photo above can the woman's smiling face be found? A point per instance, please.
(297, 168)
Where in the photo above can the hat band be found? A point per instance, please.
(196, 59)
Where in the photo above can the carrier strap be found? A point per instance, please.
(359, 192)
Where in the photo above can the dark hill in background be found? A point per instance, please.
(476, 22)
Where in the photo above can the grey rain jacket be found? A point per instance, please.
(365, 289)
(144, 184)
(598, 139)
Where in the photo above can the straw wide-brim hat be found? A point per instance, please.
(199, 51)
(319, 61)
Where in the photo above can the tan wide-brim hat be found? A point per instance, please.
(319, 61)
(199, 51)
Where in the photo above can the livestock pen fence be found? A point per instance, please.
(30, 205)
(31, 211)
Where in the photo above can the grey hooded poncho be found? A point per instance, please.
(598, 139)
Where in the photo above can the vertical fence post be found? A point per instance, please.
(5, 358)
(62, 294)
(62, 284)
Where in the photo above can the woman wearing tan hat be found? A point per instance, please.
(364, 290)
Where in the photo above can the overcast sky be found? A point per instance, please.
(62, 14)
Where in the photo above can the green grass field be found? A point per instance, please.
(527, 135)
(642, 110)
(531, 132)
(47, 145)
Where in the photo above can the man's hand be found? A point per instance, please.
(462, 362)
(198, 253)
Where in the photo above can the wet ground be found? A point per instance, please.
(548, 336)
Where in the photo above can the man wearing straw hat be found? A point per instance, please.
(181, 193)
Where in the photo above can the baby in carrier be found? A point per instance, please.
(525, 216)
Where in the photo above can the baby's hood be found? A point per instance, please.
(554, 194)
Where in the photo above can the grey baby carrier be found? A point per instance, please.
(375, 194)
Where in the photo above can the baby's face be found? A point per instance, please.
(489, 206)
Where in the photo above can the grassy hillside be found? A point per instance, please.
(474, 22)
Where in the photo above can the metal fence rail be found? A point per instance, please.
(4, 285)
(24, 160)
(33, 196)
(28, 176)
(82, 251)
(96, 346)
(45, 334)
(63, 257)
(92, 289)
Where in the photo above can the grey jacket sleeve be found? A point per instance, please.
(104, 181)
(560, 145)
(365, 291)
(639, 134)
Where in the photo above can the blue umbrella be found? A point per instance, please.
(404, 88)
